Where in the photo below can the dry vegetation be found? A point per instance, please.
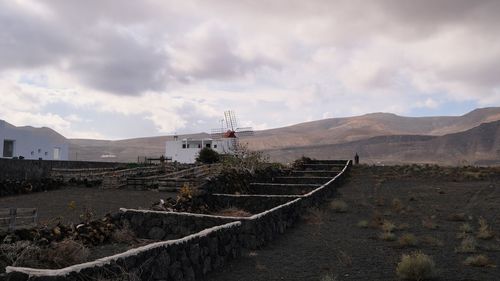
(233, 212)
(416, 266)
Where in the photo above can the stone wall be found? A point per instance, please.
(13, 169)
(189, 258)
(192, 257)
(280, 189)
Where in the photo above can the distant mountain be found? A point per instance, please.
(341, 130)
(121, 150)
(477, 146)
(344, 135)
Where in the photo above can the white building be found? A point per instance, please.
(187, 150)
(31, 143)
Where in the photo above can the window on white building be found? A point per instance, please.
(8, 148)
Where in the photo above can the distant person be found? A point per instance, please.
(356, 159)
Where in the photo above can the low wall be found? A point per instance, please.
(280, 189)
(192, 257)
(189, 258)
(256, 230)
(14, 169)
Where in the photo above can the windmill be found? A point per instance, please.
(229, 129)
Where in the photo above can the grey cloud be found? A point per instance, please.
(119, 64)
(28, 42)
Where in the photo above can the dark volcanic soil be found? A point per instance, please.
(329, 244)
(57, 203)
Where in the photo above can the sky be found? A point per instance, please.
(113, 69)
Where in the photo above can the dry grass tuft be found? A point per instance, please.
(466, 228)
(328, 277)
(407, 240)
(124, 235)
(363, 224)
(387, 236)
(484, 232)
(403, 226)
(338, 206)
(233, 212)
(344, 259)
(416, 266)
(432, 241)
(479, 261)
(67, 252)
(429, 223)
(388, 226)
(376, 220)
(468, 245)
(457, 217)
(186, 192)
(315, 216)
(397, 205)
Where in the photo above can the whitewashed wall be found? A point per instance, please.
(174, 150)
(32, 143)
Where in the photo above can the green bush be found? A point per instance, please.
(208, 156)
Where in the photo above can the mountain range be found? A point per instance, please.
(384, 138)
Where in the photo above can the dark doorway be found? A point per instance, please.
(8, 148)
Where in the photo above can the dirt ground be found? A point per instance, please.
(326, 245)
(70, 202)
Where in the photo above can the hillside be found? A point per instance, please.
(311, 134)
(341, 130)
(479, 145)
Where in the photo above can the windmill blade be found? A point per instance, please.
(230, 117)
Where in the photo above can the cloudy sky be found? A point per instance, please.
(119, 69)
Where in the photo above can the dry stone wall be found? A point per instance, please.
(189, 258)
(208, 242)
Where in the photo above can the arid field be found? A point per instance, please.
(390, 211)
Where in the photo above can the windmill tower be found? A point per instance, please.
(229, 129)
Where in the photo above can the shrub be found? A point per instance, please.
(416, 266)
(468, 245)
(407, 240)
(484, 232)
(186, 192)
(338, 206)
(363, 224)
(479, 261)
(208, 156)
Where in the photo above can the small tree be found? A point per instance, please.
(208, 156)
